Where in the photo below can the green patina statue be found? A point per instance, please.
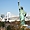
(22, 15)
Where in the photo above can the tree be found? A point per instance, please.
(0, 24)
(3, 24)
(9, 28)
(2, 15)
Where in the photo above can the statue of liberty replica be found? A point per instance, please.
(22, 15)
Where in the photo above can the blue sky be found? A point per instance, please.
(12, 6)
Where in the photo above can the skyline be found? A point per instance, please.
(12, 6)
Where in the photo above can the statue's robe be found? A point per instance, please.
(22, 16)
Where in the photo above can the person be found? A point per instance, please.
(22, 15)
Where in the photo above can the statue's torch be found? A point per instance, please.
(18, 3)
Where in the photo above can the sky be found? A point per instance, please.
(12, 6)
